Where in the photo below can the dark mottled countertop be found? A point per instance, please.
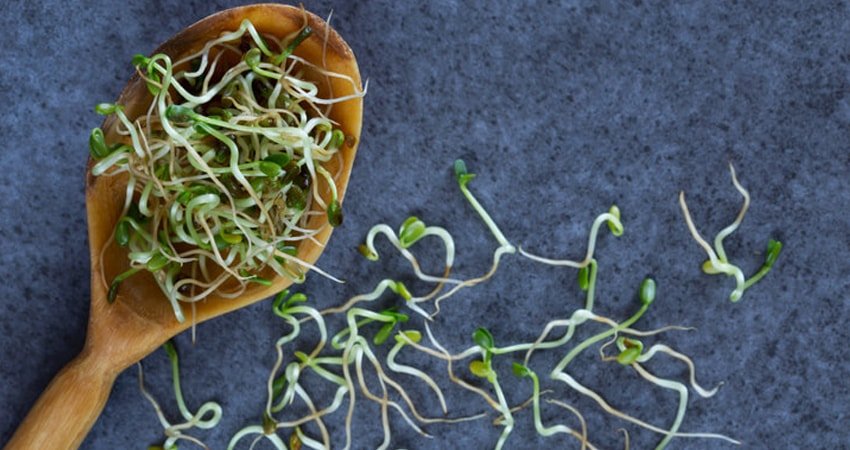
(562, 108)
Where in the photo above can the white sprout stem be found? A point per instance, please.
(383, 401)
(538, 421)
(296, 329)
(196, 419)
(347, 355)
(174, 432)
(504, 408)
(323, 430)
(497, 256)
(255, 429)
(577, 318)
(307, 265)
(716, 263)
(683, 401)
(310, 442)
(391, 236)
(375, 294)
(664, 329)
(323, 101)
(494, 229)
(591, 245)
(446, 356)
(570, 381)
(596, 338)
(401, 368)
(151, 399)
(335, 404)
(447, 239)
(647, 355)
(316, 365)
(582, 437)
(718, 240)
(407, 399)
(330, 179)
(224, 38)
(386, 380)
(417, 309)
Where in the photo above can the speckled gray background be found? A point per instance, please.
(562, 109)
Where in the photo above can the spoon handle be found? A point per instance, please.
(67, 409)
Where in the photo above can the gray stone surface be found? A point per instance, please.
(561, 108)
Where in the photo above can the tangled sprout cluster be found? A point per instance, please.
(224, 169)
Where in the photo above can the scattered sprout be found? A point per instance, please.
(344, 363)
(717, 262)
(208, 415)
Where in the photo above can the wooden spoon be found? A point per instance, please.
(141, 319)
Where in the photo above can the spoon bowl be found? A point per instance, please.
(141, 318)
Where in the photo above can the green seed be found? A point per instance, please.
(366, 252)
(157, 262)
(479, 368)
(122, 232)
(221, 157)
(461, 173)
(269, 424)
(647, 291)
(413, 335)
(337, 139)
(411, 231)
(97, 144)
(105, 109)
(294, 441)
(292, 171)
(116, 283)
(483, 338)
(252, 57)
(140, 60)
(170, 349)
(161, 171)
(231, 238)
(290, 250)
(399, 288)
(260, 280)
(584, 278)
(708, 267)
(384, 333)
(281, 159)
(395, 316)
(185, 197)
(113, 291)
(295, 198)
(616, 228)
(520, 370)
(270, 169)
(334, 214)
(258, 184)
(179, 113)
(773, 249)
(304, 34)
(277, 387)
(628, 356)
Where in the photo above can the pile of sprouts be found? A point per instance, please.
(223, 171)
(352, 363)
